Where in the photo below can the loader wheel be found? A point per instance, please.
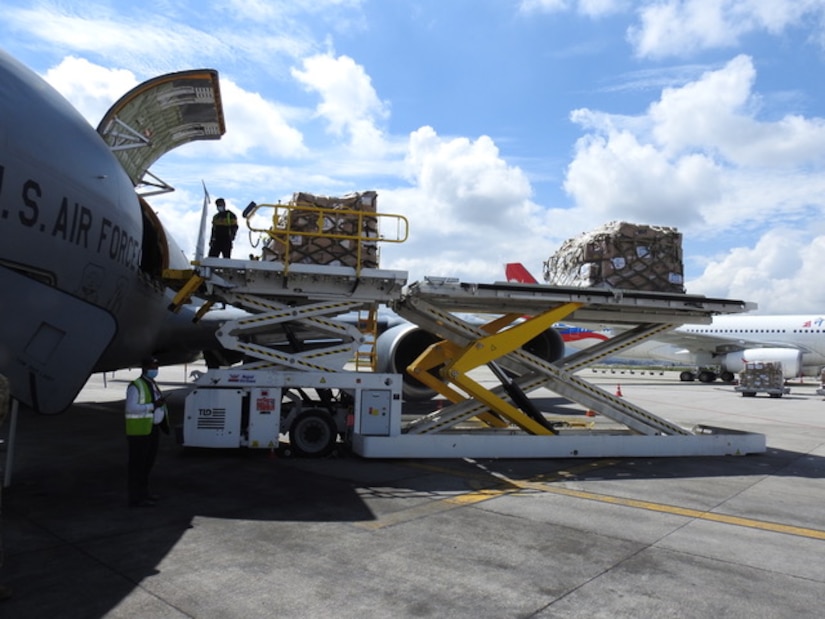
(313, 434)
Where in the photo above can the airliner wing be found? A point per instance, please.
(706, 342)
(698, 342)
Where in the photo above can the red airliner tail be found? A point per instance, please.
(517, 272)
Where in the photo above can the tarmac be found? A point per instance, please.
(242, 533)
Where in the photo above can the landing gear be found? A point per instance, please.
(707, 376)
(704, 375)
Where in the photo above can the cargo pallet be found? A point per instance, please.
(762, 377)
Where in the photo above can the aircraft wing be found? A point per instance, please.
(701, 342)
(160, 115)
(715, 344)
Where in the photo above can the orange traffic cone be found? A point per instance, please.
(618, 391)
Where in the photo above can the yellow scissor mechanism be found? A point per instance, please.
(456, 363)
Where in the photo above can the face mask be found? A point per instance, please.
(221, 209)
(151, 373)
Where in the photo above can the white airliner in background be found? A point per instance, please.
(795, 340)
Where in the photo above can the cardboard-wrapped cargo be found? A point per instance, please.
(620, 255)
(762, 376)
(328, 231)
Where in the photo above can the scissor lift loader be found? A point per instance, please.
(503, 421)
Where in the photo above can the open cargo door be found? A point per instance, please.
(160, 115)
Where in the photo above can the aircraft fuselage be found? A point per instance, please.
(75, 298)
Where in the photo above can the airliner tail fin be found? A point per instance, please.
(517, 272)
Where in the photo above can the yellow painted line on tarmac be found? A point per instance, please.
(543, 483)
(739, 521)
(435, 507)
(500, 486)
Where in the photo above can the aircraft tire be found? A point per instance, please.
(313, 434)
(706, 376)
(687, 377)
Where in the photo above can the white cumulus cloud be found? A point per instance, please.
(466, 204)
(349, 103)
(683, 27)
(701, 158)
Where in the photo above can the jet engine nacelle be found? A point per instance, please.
(790, 358)
(399, 346)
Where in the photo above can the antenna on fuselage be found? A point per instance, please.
(202, 231)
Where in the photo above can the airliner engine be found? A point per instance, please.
(399, 346)
(790, 358)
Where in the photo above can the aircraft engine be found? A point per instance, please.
(399, 346)
(790, 358)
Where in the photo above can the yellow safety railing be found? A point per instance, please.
(310, 234)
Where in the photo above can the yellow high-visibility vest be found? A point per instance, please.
(140, 424)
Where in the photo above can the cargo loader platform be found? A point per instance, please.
(437, 305)
(478, 325)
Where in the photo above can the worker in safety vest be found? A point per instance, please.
(224, 229)
(146, 415)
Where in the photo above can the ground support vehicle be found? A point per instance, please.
(237, 408)
(762, 377)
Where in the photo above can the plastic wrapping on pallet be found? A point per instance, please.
(620, 255)
(762, 375)
(328, 231)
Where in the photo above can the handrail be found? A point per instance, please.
(302, 221)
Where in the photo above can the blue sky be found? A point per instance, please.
(499, 128)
